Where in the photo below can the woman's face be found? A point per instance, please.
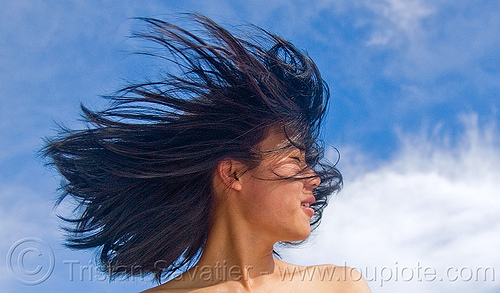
(277, 206)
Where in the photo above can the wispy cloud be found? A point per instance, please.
(396, 19)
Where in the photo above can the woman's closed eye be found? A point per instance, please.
(290, 167)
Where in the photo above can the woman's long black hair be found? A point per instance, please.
(142, 171)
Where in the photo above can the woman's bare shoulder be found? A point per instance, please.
(168, 289)
(172, 286)
(288, 278)
(327, 278)
(340, 279)
(165, 289)
(183, 285)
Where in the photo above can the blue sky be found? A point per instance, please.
(415, 98)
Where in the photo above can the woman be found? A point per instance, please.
(204, 170)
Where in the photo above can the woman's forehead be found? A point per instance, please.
(277, 143)
(273, 141)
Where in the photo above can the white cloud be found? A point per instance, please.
(438, 45)
(397, 18)
(434, 204)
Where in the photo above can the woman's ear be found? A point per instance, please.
(228, 171)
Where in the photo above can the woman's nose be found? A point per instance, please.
(313, 180)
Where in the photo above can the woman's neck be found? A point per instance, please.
(235, 252)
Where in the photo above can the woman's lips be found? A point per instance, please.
(306, 205)
(308, 210)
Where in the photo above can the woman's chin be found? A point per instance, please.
(299, 235)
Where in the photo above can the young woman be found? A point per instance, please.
(196, 176)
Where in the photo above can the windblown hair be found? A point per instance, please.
(142, 170)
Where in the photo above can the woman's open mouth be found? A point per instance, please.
(306, 206)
